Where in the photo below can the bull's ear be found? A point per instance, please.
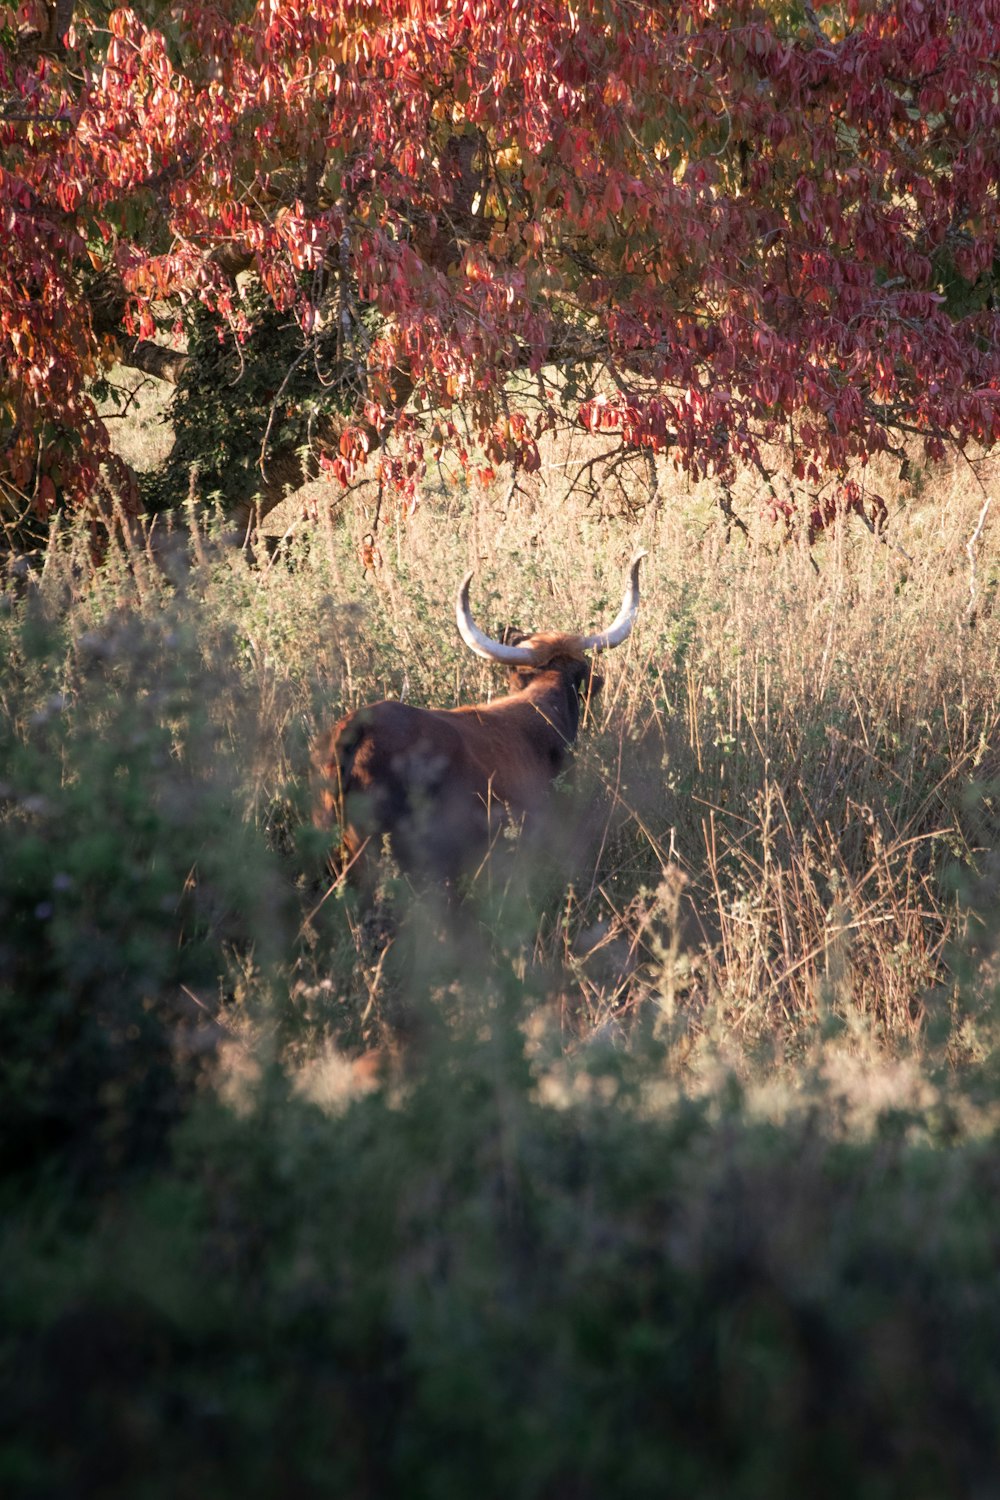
(593, 687)
(510, 636)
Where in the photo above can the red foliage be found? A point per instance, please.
(749, 220)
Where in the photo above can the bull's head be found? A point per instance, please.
(526, 656)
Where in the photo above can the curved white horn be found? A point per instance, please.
(603, 640)
(477, 641)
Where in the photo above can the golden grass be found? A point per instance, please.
(805, 741)
(784, 802)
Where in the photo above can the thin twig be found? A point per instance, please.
(970, 547)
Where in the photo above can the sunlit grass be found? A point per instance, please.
(783, 806)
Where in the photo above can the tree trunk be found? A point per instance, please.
(154, 359)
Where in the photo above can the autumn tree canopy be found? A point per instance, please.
(698, 226)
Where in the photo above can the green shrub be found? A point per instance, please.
(126, 868)
(268, 391)
(469, 1292)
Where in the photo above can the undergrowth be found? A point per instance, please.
(668, 1158)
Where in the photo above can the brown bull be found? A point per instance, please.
(441, 782)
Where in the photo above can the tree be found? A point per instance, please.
(697, 226)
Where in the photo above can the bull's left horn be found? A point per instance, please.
(478, 641)
(603, 640)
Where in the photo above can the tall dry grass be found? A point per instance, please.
(783, 809)
(788, 785)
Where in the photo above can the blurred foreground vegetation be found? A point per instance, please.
(669, 1166)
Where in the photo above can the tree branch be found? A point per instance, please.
(154, 359)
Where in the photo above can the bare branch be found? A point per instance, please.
(970, 547)
(154, 359)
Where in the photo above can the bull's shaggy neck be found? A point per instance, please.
(553, 693)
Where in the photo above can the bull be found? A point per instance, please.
(441, 782)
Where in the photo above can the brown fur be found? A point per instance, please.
(441, 782)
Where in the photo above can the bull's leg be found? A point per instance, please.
(356, 862)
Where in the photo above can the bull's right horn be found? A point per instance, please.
(478, 641)
(616, 632)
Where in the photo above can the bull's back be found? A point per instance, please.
(514, 753)
(394, 769)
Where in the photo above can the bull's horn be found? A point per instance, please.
(603, 640)
(477, 641)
